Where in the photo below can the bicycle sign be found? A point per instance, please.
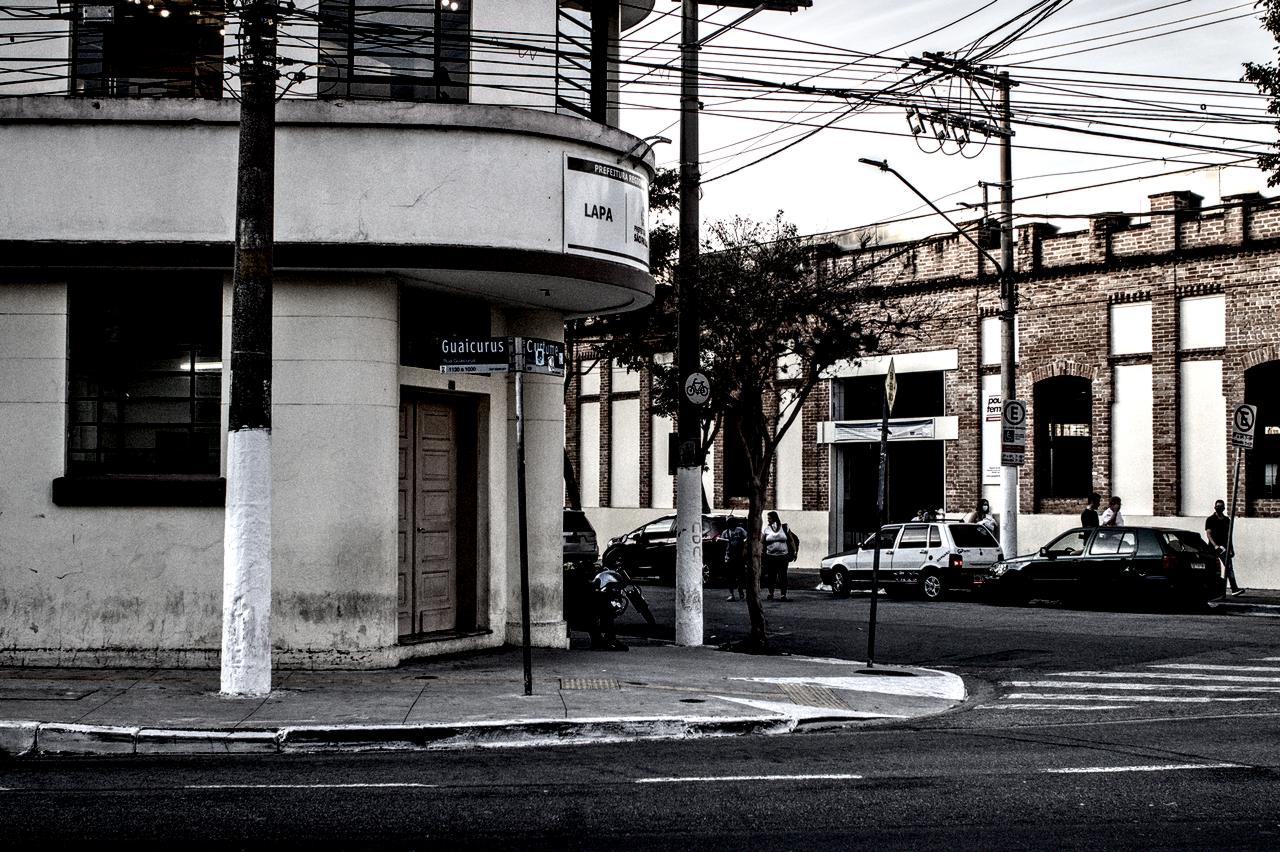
(697, 388)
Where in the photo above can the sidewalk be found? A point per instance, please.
(654, 691)
(1251, 602)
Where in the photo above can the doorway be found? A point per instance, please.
(436, 561)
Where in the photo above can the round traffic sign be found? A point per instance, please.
(1244, 418)
(697, 388)
(1015, 412)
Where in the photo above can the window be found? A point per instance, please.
(145, 376)
(1063, 433)
(935, 537)
(969, 535)
(887, 537)
(1113, 543)
(395, 51)
(1263, 460)
(659, 528)
(919, 395)
(161, 48)
(1071, 544)
(914, 536)
(426, 318)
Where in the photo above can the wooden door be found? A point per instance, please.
(428, 539)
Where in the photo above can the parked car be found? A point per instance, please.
(580, 547)
(651, 549)
(1109, 563)
(928, 559)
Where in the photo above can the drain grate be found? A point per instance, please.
(589, 683)
(813, 696)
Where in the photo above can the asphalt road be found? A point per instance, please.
(1115, 730)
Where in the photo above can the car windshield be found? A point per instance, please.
(1185, 541)
(576, 522)
(970, 535)
(887, 537)
(1069, 544)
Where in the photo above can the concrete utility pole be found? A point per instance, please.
(693, 384)
(689, 417)
(246, 578)
(1008, 315)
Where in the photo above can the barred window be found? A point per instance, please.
(382, 49)
(157, 48)
(145, 375)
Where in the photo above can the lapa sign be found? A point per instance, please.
(606, 211)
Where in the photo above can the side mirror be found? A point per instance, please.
(1044, 551)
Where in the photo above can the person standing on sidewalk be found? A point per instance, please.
(1089, 517)
(777, 553)
(1217, 528)
(735, 548)
(1112, 517)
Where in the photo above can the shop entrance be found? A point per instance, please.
(914, 480)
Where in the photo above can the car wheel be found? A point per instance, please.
(931, 587)
(839, 583)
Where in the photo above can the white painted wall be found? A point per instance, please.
(993, 491)
(589, 453)
(1202, 321)
(789, 485)
(1131, 328)
(589, 378)
(624, 453)
(1203, 439)
(504, 76)
(624, 380)
(661, 483)
(1131, 439)
(990, 341)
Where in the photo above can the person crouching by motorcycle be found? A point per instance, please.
(606, 600)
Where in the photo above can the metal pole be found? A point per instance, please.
(875, 557)
(246, 583)
(1008, 315)
(523, 521)
(1231, 523)
(689, 471)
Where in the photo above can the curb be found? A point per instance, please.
(36, 739)
(1240, 608)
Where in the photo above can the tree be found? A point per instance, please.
(777, 311)
(1267, 78)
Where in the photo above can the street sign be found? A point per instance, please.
(542, 356)
(1013, 433)
(891, 386)
(475, 355)
(697, 388)
(1244, 422)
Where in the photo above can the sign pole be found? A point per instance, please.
(522, 514)
(1231, 522)
(890, 393)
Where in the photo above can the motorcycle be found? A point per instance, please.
(596, 598)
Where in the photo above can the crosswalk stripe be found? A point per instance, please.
(1165, 676)
(1137, 687)
(1152, 699)
(1016, 705)
(1213, 668)
(1165, 767)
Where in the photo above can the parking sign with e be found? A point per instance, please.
(1244, 422)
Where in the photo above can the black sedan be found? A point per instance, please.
(651, 549)
(1103, 564)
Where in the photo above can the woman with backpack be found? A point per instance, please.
(778, 552)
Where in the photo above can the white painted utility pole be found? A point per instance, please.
(246, 554)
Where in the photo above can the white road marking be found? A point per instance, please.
(302, 786)
(1151, 699)
(801, 712)
(1209, 668)
(1139, 687)
(935, 684)
(1017, 706)
(1164, 676)
(711, 779)
(1164, 768)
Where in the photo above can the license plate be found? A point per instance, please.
(1197, 566)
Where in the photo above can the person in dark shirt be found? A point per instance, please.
(1217, 528)
(1089, 517)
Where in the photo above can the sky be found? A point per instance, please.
(1162, 70)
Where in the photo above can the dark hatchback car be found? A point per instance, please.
(580, 547)
(651, 549)
(1104, 564)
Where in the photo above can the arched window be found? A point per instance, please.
(1064, 437)
(1264, 459)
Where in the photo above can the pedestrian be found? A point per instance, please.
(735, 551)
(1089, 517)
(776, 539)
(1111, 517)
(1217, 528)
(981, 515)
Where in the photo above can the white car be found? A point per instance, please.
(929, 559)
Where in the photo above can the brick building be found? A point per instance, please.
(1135, 339)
